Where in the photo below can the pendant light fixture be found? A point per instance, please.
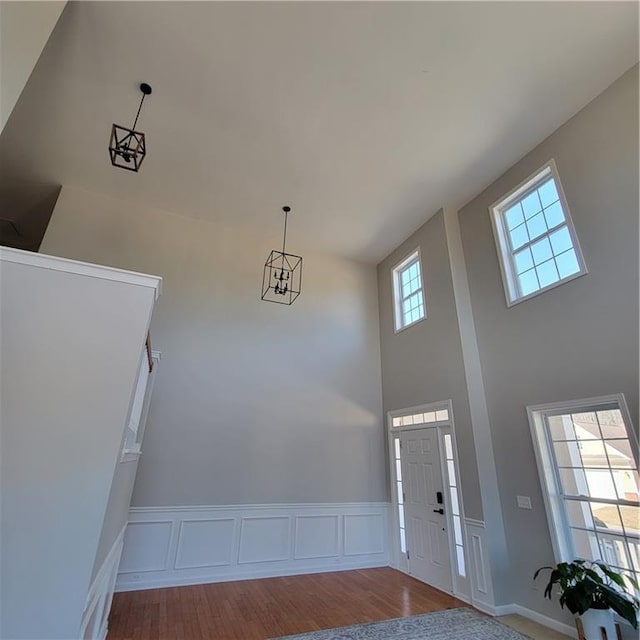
(282, 275)
(127, 147)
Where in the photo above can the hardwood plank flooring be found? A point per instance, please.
(271, 607)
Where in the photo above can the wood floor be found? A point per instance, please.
(260, 609)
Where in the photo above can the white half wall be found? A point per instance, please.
(171, 546)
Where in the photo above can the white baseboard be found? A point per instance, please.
(517, 609)
(175, 546)
(546, 621)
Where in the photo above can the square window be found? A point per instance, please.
(537, 244)
(407, 291)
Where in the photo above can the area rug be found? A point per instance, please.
(451, 624)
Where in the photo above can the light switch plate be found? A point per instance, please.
(524, 502)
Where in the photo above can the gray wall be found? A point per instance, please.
(423, 363)
(254, 403)
(575, 341)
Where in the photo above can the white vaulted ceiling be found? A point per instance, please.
(364, 117)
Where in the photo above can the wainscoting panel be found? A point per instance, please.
(364, 534)
(171, 546)
(317, 537)
(264, 539)
(146, 546)
(205, 543)
(480, 572)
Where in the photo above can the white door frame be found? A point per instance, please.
(461, 585)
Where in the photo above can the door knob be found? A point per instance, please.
(438, 511)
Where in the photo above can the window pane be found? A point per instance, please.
(396, 441)
(528, 282)
(457, 530)
(579, 514)
(519, 236)
(567, 263)
(401, 516)
(634, 550)
(612, 424)
(548, 193)
(620, 454)
(627, 483)
(554, 215)
(513, 216)
(560, 240)
(536, 226)
(447, 446)
(567, 453)
(573, 482)
(561, 428)
(398, 471)
(613, 550)
(531, 205)
(452, 473)
(410, 287)
(442, 415)
(462, 571)
(403, 542)
(455, 507)
(541, 251)
(631, 520)
(586, 425)
(523, 260)
(601, 484)
(547, 273)
(606, 516)
(399, 490)
(585, 544)
(430, 416)
(593, 453)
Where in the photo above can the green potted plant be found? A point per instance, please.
(593, 591)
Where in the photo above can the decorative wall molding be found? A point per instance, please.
(479, 569)
(171, 546)
(95, 617)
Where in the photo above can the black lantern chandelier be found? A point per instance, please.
(127, 147)
(282, 275)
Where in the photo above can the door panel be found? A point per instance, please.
(427, 538)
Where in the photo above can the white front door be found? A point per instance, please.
(427, 538)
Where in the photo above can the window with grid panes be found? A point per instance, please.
(408, 293)
(536, 241)
(589, 457)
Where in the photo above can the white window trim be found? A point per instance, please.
(558, 526)
(397, 291)
(502, 241)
